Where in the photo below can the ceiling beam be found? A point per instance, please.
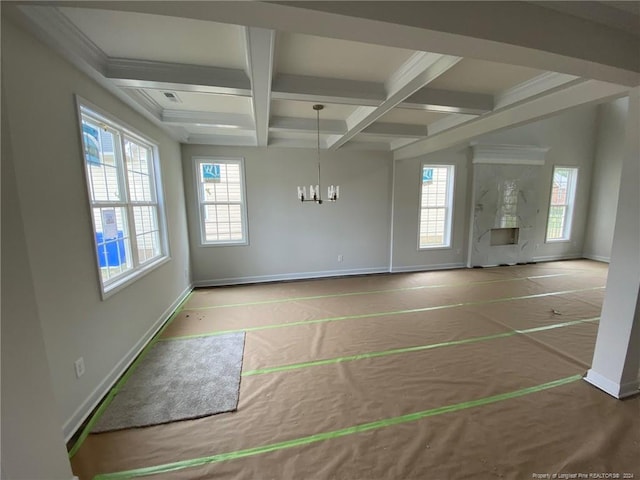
(574, 95)
(570, 44)
(176, 76)
(231, 140)
(448, 101)
(260, 45)
(400, 130)
(293, 124)
(540, 85)
(209, 119)
(327, 90)
(414, 74)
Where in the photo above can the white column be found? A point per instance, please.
(616, 361)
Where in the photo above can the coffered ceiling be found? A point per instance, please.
(229, 83)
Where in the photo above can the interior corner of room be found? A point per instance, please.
(448, 143)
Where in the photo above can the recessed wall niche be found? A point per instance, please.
(505, 203)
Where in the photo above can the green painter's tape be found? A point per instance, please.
(378, 314)
(319, 437)
(417, 348)
(373, 292)
(114, 391)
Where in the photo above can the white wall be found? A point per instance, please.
(32, 442)
(288, 239)
(612, 118)
(39, 89)
(406, 211)
(571, 138)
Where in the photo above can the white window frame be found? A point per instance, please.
(448, 206)
(569, 205)
(139, 269)
(197, 162)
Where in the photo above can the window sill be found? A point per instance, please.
(435, 247)
(127, 280)
(225, 244)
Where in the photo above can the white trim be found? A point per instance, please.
(260, 48)
(428, 268)
(81, 413)
(572, 188)
(132, 73)
(540, 106)
(420, 69)
(449, 206)
(196, 162)
(617, 390)
(216, 282)
(391, 221)
(509, 154)
(597, 258)
(69, 39)
(138, 270)
(553, 258)
(544, 83)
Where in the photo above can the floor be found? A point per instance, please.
(472, 373)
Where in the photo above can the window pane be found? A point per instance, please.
(561, 203)
(113, 242)
(221, 192)
(121, 181)
(139, 171)
(435, 203)
(100, 157)
(147, 232)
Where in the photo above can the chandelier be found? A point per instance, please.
(333, 192)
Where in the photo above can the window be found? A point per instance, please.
(124, 194)
(436, 199)
(563, 193)
(223, 212)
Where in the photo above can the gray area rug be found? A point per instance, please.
(179, 380)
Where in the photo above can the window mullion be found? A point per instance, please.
(133, 239)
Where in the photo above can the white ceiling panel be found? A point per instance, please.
(298, 54)
(479, 76)
(293, 108)
(202, 102)
(250, 85)
(160, 38)
(411, 116)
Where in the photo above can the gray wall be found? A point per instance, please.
(612, 118)
(406, 211)
(39, 90)
(32, 442)
(288, 239)
(571, 138)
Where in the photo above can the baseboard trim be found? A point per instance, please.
(617, 390)
(288, 276)
(597, 258)
(84, 410)
(553, 258)
(426, 268)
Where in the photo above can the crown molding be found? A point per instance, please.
(69, 39)
(509, 154)
(542, 84)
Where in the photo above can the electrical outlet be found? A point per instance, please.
(79, 364)
(340, 258)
